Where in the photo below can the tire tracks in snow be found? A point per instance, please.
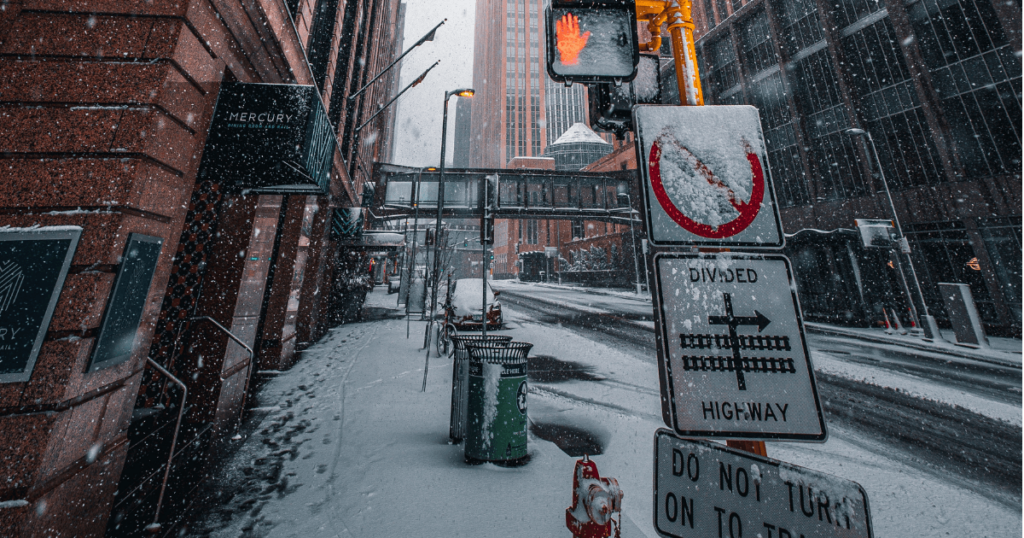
(955, 444)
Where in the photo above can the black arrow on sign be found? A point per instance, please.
(734, 321)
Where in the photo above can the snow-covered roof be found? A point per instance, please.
(578, 133)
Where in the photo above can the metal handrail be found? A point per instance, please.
(154, 527)
(252, 358)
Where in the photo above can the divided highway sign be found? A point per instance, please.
(702, 489)
(706, 177)
(733, 358)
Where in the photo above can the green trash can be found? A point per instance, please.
(460, 381)
(496, 418)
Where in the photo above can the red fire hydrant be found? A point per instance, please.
(594, 500)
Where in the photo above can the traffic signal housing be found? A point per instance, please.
(592, 41)
(611, 107)
(490, 202)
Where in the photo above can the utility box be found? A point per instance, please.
(963, 314)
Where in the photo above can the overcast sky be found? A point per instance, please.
(418, 137)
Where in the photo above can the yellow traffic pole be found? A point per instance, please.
(678, 15)
(680, 27)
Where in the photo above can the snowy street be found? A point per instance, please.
(345, 444)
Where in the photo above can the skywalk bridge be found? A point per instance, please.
(522, 193)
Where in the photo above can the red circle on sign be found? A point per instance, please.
(747, 211)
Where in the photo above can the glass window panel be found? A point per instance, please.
(756, 43)
(720, 5)
(709, 15)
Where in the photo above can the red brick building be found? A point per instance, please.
(105, 108)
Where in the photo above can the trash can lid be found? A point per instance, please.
(462, 340)
(498, 352)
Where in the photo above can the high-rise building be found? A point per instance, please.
(463, 117)
(938, 86)
(517, 110)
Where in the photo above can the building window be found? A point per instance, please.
(577, 229)
(849, 11)
(1002, 238)
(756, 43)
(709, 14)
(831, 153)
(722, 70)
(978, 79)
(723, 14)
(800, 27)
(941, 253)
(879, 78)
(531, 232)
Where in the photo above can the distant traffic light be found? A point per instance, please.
(592, 41)
(490, 202)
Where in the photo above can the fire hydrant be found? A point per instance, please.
(594, 500)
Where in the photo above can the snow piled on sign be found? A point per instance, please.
(719, 141)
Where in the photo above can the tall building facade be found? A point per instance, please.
(938, 86)
(105, 116)
(463, 118)
(517, 110)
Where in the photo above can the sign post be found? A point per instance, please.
(703, 489)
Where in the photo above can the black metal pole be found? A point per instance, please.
(424, 39)
(395, 98)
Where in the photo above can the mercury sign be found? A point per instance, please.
(734, 360)
(270, 138)
(702, 489)
(706, 177)
(33, 265)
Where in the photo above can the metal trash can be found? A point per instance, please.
(496, 403)
(460, 380)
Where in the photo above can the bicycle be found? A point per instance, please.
(446, 332)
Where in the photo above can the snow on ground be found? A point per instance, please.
(351, 447)
(916, 387)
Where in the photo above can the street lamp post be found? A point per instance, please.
(926, 321)
(632, 235)
(465, 92)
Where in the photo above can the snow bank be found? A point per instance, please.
(916, 387)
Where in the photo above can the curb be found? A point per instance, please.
(965, 352)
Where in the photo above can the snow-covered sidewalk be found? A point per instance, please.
(351, 447)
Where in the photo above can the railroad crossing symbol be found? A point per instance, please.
(740, 364)
(723, 375)
(706, 177)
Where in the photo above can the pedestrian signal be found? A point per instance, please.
(592, 41)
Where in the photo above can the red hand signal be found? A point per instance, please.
(568, 39)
